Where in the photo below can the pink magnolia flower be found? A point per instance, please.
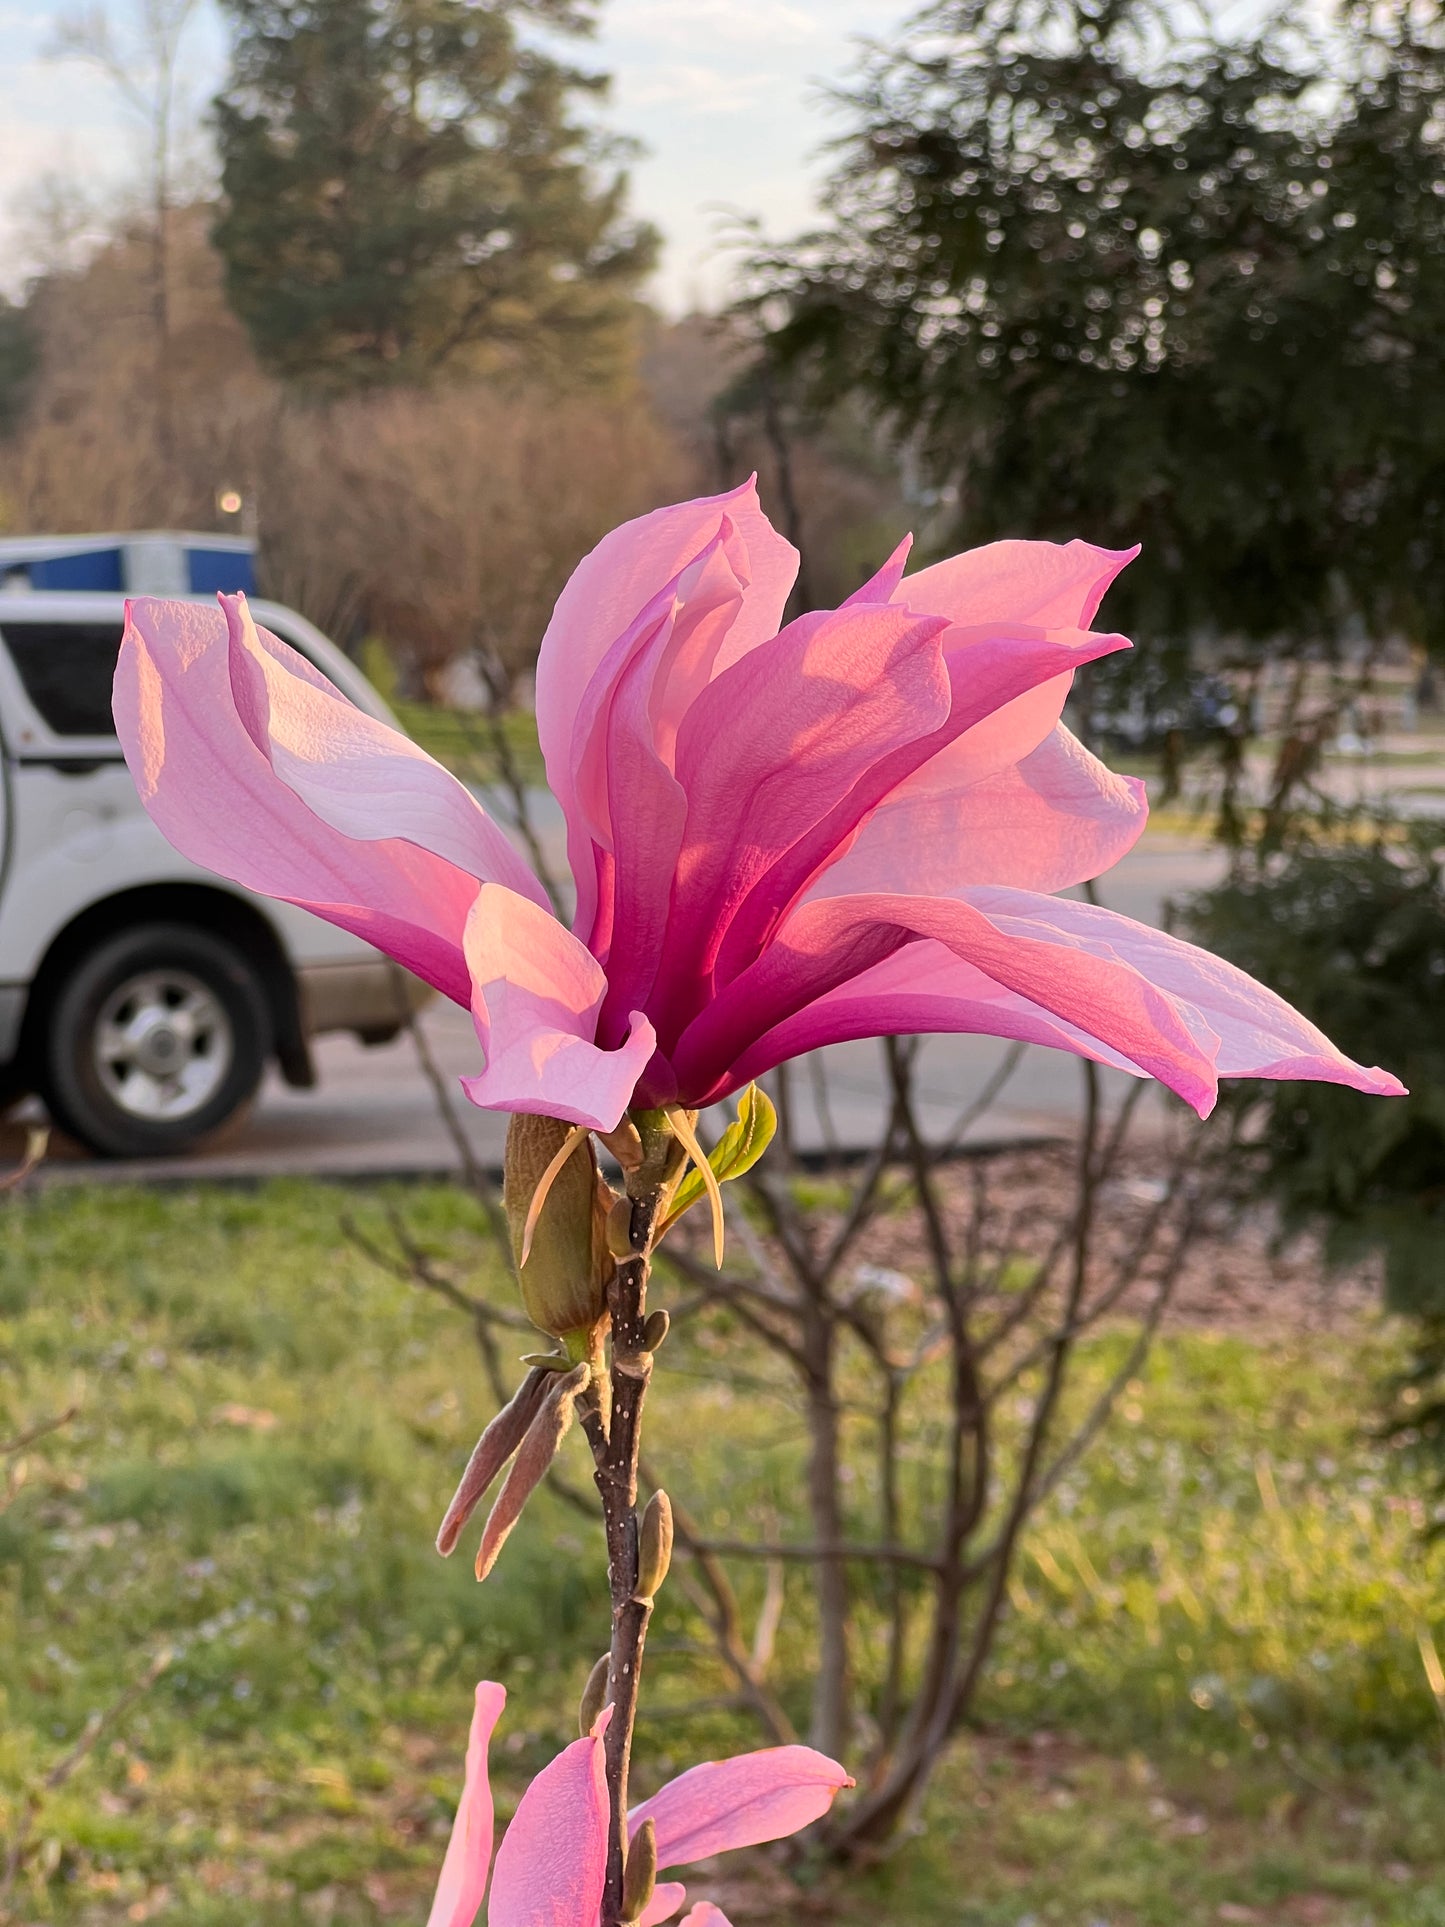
(552, 1862)
(852, 826)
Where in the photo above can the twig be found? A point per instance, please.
(95, 1728)
(23, 1440)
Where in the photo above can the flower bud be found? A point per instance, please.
(492, 1450)
(594, 1695)
(639, 1877)
(564, 1276)
(532, 1463)
(655, 1328)
(654, 1551)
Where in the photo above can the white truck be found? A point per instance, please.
(141, 996)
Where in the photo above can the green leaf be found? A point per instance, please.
(736, 1151)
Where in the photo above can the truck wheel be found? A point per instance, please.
(156, 1038)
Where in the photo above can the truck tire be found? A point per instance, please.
(155, 1039)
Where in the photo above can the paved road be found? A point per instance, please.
(375, 1113)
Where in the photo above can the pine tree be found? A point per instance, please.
(409, 187)
(1108, 273)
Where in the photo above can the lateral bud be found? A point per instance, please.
(619, 1229)
(654, 1550)
(654, 1329)
(639, 1877)
(594, 1696)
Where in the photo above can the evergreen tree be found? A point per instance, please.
(408, 187)
(1108, 275)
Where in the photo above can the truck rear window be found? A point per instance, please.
(67, 669)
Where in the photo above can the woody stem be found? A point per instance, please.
(615, 1441)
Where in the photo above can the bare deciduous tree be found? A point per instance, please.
(137, 48)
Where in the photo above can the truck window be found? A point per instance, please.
(67, 669)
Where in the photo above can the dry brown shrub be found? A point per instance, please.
(444, 521)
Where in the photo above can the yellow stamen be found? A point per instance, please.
(544, 1184)
(688, 1138)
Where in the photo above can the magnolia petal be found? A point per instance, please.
(552, 1863)
(1055, 584)
(356, 774)
(742, 1802)
(660, 661)
(704, 1914)
(215, 796)
(1057, 818)
(1260, 1035)
(667, 1897)
(882, 586)
(620, 576)
(1170, 1009)
(832, 940)
(535, 997)
(469, 1850)
(992, 675)
(771, 747)
(921, 990)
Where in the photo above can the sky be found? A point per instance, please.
(723, 94)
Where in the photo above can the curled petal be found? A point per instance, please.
(552, 1863)
(1260, 1035)
(536, 992)
(996, 679)
(771, 749)
(1055, 584)
(469, 1850)
(218, 798)
(741, 1802)
(356, 774)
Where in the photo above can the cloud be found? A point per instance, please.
(700, 90)
(694, 23)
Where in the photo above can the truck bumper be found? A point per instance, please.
(373, 998)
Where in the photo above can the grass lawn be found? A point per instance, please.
(1209, 1702)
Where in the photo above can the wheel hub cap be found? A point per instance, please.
(163, 1045)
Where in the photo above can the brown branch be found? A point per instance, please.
(835, 1552)
(615, 1434)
